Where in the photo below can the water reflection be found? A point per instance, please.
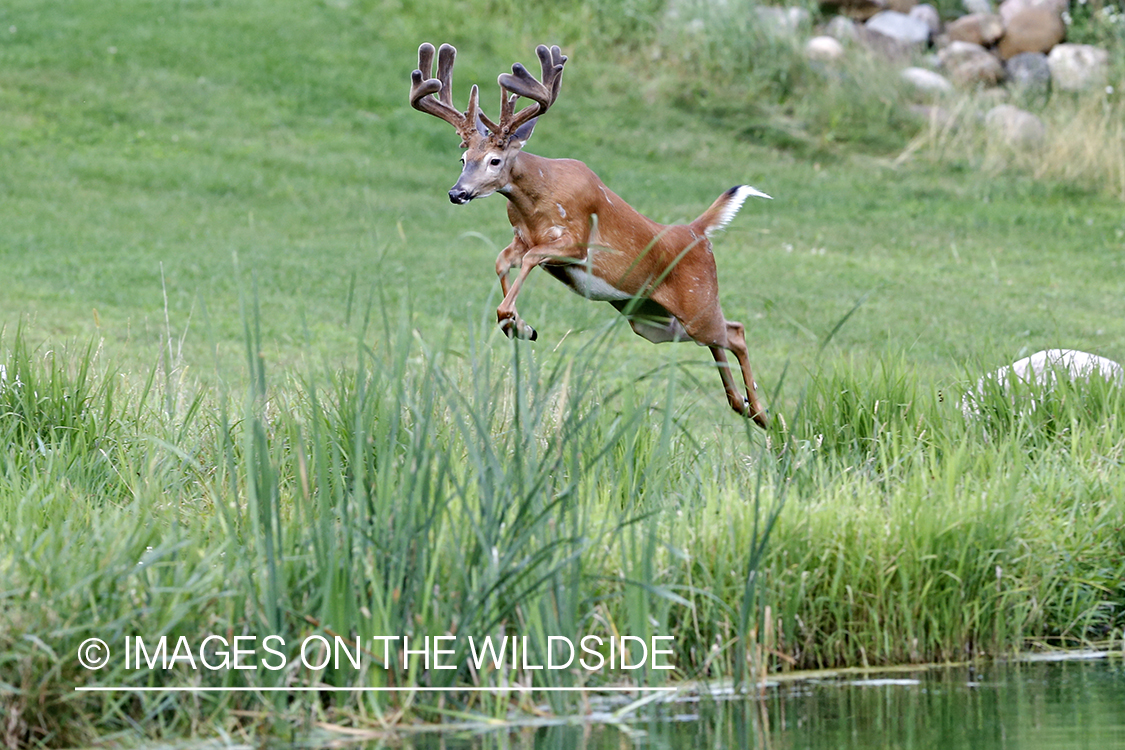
(1062, 704)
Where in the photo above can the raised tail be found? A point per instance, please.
(723, 210)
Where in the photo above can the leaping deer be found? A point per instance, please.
(662, 278)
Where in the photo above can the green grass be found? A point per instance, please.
(254, 383)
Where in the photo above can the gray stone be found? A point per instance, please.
(1029, 73)
(900, 27)
(1078, 67)
(970, 64)
(927, 80)
(841, 28)
(927, 13)
(1014, 127)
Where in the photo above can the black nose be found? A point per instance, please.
(458, 196)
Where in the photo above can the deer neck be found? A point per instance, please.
(529, 186)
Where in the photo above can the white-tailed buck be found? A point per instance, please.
(662, 278)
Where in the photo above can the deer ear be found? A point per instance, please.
(481, 128)
(523, 132)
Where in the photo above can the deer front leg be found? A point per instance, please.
(510, 257)
(510, 322)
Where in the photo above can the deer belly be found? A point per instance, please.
(586, 284)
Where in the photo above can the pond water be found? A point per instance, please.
(1073, 703)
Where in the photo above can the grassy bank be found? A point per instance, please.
(296, 416)
(427, 491)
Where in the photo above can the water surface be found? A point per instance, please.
(1038, 704)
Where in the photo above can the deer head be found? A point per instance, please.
(490, 148)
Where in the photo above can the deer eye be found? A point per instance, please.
(495, 162)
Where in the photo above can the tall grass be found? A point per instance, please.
(487, 490)
(1084, 145)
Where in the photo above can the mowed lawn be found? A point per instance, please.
(198, 150)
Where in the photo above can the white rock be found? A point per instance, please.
(1042, 369)
(928, 14)
(1014, 127)
(927, 80)
(1078, 67)
(824, 49)
(900, 27)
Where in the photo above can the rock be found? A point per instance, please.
(1014, 127)
(1042, 370)
(927, 80)
(977, 6)
(1032, 30)
(1010, 8)
(860, 10)
(1029, 72)
(927, 13)
(1078, 67)
(902, 6)
(970, 64)
(900, 27)
(883, 45)
(824, 49)
(978, 28)
(782, 21)
(841, 28)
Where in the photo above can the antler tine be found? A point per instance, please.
(422, 88)
(522, 83)
(446, 57)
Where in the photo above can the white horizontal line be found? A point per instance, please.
(328, 689)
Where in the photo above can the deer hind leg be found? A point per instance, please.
(736, 343)
(720, 336)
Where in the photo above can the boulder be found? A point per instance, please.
(927, 81)
(1015, 128)
(900, 27)
(883, 45)
(978, 28)
(1029, 73)
(841, 28)
(1078, 67)
(970, 64)
(1010, 8)
(927, 13)
(824, 49)
(1032, 30)
(1043, 370)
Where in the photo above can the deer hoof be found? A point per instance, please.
(508, 326)
(534, 334)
